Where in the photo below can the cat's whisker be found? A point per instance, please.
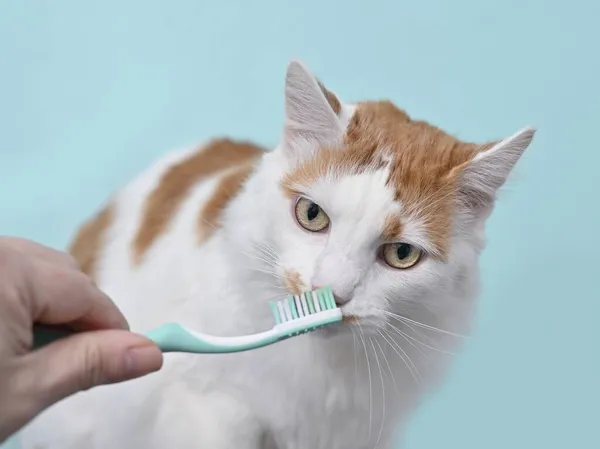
(424, 337)
(266, 258)
(428, 346)
(268, 249)
(362, 337)
(270, 269)
(355, 356)
(272, 250)
(271, 273)
(370, 338)
(405, 353)
(262, 249)
(267, 252)
(417, 331)
(403, 335)
(388, 366)
(266, 246)
(402, 357)
(260, 258)
(417, 323)
(426, 303)
(382, 394)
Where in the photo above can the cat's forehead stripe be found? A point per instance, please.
(88, 242)
(163, 202)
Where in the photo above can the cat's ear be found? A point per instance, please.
(312, 113)
(482, 176)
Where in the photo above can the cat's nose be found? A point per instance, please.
(339, 271)
(340, 301)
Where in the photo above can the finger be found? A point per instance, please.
(61, 296)
(78, 363)
(32, 249)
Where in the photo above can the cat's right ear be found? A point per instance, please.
(311, 113)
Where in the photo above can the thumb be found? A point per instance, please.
(83, 361)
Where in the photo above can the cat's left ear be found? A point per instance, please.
(482, 176)
(312, 113)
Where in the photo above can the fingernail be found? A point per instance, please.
(142, 360)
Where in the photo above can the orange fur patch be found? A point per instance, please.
(422, 160)
(292, 281)
(88, 241)
(392, 228)
(175, 184)
(226, 190)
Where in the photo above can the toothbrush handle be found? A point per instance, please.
(168, 337)
(173, 337)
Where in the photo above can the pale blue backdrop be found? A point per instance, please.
(91, 92)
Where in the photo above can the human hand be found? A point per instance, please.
(41, 285)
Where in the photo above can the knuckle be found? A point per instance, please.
(93, 370)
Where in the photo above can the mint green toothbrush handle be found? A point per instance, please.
(169, 337)
(172, 337)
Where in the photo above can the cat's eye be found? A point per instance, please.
(401, 255)
(310, 215)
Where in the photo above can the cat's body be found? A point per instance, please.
(207, 237)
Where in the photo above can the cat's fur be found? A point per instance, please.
(207, 236)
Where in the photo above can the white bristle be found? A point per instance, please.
(316, 302)
(298, 306)
(281, 312)
(305, 308)
(288, 311)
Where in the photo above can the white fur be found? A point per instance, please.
(342, 388)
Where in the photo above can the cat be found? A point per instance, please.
(388, 211)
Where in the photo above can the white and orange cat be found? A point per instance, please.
(387, 210)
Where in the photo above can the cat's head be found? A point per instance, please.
(386, 210)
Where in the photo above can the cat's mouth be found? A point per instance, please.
(349, 322)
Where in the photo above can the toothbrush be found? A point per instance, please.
(294, 315)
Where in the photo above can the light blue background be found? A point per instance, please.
(91, 92)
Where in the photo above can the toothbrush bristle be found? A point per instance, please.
(305, 304)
